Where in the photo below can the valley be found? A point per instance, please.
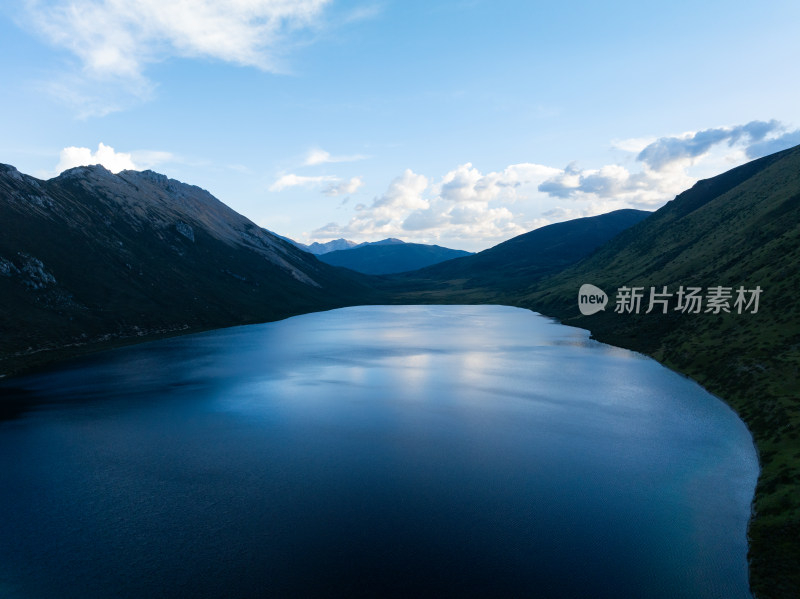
(90, 260)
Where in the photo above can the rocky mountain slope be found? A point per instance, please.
(318, 248)
(90, 258)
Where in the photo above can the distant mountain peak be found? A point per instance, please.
(334, 245)
(387, 241)
(96, 170)
(390, 256)
(8, 169)
(330, 246)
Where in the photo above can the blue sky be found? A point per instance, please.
(461, 123)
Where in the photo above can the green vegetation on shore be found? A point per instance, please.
(742, 228)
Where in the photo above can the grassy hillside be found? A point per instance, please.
(739, 229)
(512, 267)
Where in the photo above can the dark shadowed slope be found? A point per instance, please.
(91, 257)
(383, 258)
(513, 266)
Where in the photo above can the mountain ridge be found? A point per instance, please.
(336, 245)
(333, 245)
(90, 256)
(514, 265)
(390, 256)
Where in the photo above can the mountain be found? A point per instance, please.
(319, 248)
(335, 245)
(387, 241)
(329, 246)
(297, 244)
(390, 256)
(512, 266)
(740, 229)
(90, 258)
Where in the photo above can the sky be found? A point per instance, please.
(456, 122)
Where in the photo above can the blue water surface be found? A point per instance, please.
(374, 452)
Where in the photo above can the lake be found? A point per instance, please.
(374, 452)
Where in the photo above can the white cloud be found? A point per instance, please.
(385, 215)
(645, 189)
(292, 180)
(669, 165)
(404, 193)
(111, 159)
(319, 156)
(462, 206)
(471, 209)
(344, 188)
(518, 181)
(115, 40)
(105, 155)
(690, 146)
(463, 184)
(110, 36)
(336, 186)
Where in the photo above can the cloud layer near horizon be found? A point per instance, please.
(464, 204)
(469, 206)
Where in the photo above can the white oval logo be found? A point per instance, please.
(591, 299)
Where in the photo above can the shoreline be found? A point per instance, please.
(771, 545)
(62, 355)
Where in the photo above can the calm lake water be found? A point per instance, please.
(374, 451)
